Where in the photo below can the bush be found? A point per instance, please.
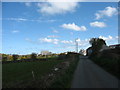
(33, 56)
(15, 57)
(4, 58)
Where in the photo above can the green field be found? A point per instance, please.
(20, 74)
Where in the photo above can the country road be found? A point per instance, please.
(90, 75)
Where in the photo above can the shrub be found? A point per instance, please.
(33, 56)
(15, 57)
(4, 58)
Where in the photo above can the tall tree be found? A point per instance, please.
(97, 44)
(15, 57)
(33, 56)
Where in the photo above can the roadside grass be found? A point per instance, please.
(20, 74)
(64, 80)
(110, 65)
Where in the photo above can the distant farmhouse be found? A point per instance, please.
(46, 53)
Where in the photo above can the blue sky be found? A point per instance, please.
(54, 26)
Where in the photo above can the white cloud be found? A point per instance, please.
(28, 4)
(51, 20)
(67, 42)
(30, 20)
(110, 40)
(117, 37)
(48, 40)
(78, 40)
(16, 19)
(85, 43)
(52, 8)
(15, 31)
(106, 38)
(31, 41)
(52, 36)
(108, 12)
(27, 39)
(60, 0)
(81, 43)
(55, 31)
(98, 24)
(74, 27)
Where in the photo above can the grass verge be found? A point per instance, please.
(64, 79)
(109, 65)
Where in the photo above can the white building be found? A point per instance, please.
(46, 53)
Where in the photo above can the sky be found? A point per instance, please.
(54, 26)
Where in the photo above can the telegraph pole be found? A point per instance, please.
(76, 45)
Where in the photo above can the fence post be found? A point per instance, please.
(33, 75)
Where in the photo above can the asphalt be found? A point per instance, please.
(90, 75)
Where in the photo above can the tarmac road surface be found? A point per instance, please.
(90, 75)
